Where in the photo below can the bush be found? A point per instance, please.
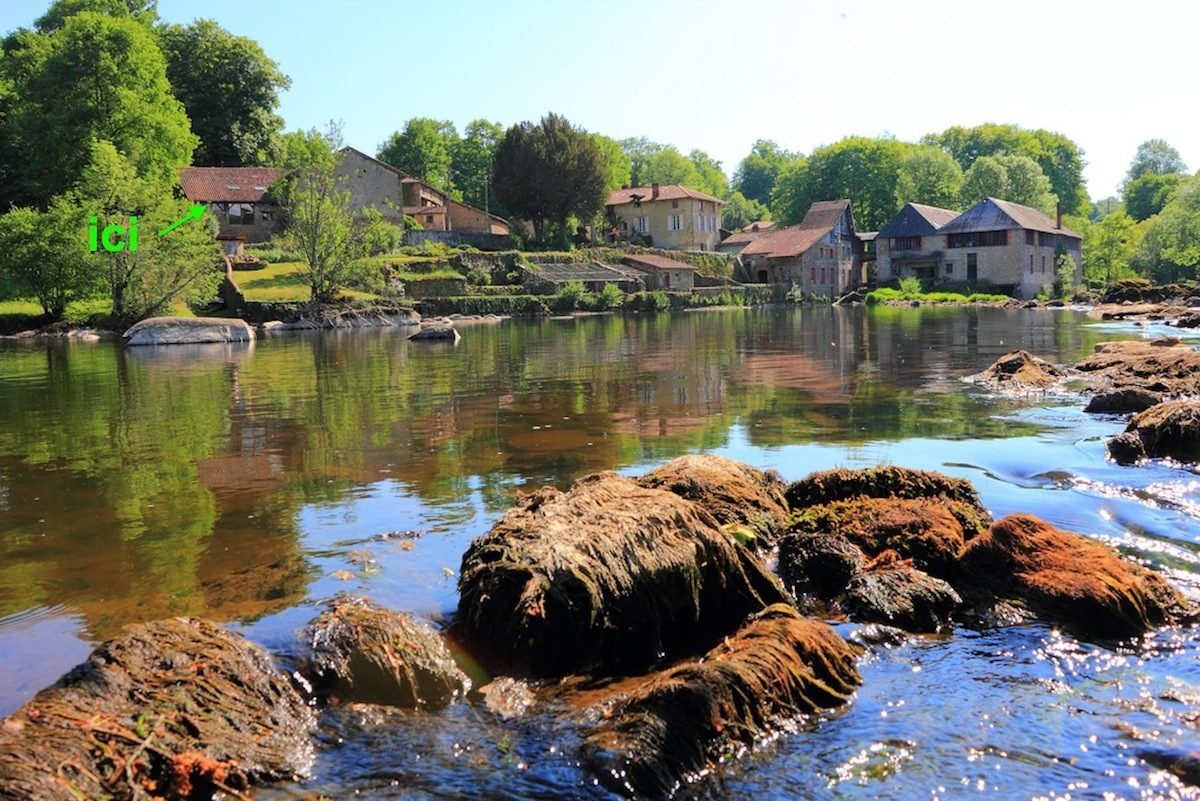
(275, 255)
(478, 277)
(572, 296)
(611, 297)
(910, 286)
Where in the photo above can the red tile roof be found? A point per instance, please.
(665, 192)
(787, 242)
(656, 262)
(228, 184)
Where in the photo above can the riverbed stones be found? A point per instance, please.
(177, 709)
(1126, 400)
(830, 486)
(1020, 371)
(1165, 430)
(187, 331)
(610, 576)
(1069, 579)
(1165, 366)
(777, 667)
(733, 492)
(356, 651)
(893, 592)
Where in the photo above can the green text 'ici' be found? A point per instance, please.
(114, 238)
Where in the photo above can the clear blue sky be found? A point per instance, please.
(719, 75)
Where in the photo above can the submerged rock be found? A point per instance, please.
(610, 576)
(1170, 429)
(176, 709)
(1123, 401)
(188, 330)
(683, 719)
(358, 652)
(1020, 371)
(436, 333)
(1069, 579)
(731, 491)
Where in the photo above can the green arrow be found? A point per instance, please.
(195, 213)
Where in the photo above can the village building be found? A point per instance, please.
(1005, 247)
(909, 246)
(662, 273)
(819, 255)
(734, 243)
(667, 216)
(240, 198)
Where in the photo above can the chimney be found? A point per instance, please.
(1058, 223)
(653, 191)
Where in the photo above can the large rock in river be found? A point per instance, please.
(733, 492)
(1069, 579)
(1165, 366)
(609, 577)
(683, 719)
(356, 651)
(175, 709)
(1020, 371)
(1170, 429)
(188, 330)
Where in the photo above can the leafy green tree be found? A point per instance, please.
(1104, 206)
(230, 90)
(639, 149)
(46, 253)
(668, 166)
(620, 166)
(323, 226)
(549, 172)
(1108, 247)
(987, 177)
(1170, 251)
(471, 161)
(710, 178)
(756, 174)
(424, 149)
(740, 211)
(929, 175)
(301, 148)
(1147, 194)
(144, 281)
(1155, 157)
(1014, 178)
(98, 78)
(143, 11)
(864, 170)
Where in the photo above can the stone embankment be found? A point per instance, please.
(647, 611)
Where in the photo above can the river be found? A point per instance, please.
(248, 484)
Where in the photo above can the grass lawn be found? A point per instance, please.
(78, 312)
(280, 283)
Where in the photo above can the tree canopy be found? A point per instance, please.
(1149, 193)
(1170, 251)
(756, 174)
(1015, 178)
(864, 170)
(1155, 157)
(424, 149)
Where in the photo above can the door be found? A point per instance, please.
(972, 268)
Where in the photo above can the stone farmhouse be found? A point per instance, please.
(241, 199)
(819, 254)
(995, 244)
(670, 216)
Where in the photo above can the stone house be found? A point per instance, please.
(909, 246)
(734, 243)
(372, 182)
(1005, 247)
(662, 273)
(819, 254)
(670, 216)
(241, 200)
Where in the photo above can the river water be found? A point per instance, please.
(249, 484)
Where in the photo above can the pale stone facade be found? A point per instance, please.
(670, 216)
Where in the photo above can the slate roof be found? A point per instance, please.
(916, 219)
(665, 192)
(787, 242)
(991, 214)
(656, 262)
(228, 184)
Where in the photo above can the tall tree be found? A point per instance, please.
(549, 172)
(1149, 193)
(1108, 247)
(861, 169)
(739, 211)
(229, 89)
(471, 161)
(1170, 251)
(98, 78)
(639, 149)
(1156, 157)
(929, 175)
(143, 11)
(620, 166)
(45, 253)
(756, 174)
(710, 177)
(424, 149)
(1014, 178)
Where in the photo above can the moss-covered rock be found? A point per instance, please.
(1069, 580)
(174, 709)
(732, 492)
(608, 577)
(776, 667)
(355, 651)
(1020, 371)
(1165, 366)
(894, 592)
(1170, 429)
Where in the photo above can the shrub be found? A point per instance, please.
(910, 286)
(611, 297)
(571, 297)
(479, 277)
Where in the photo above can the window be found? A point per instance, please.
(977, 239)
(812, 275)
(674, 222)
(949, 268)
(1043, 264)
(429, 219)
(1045, 240)
(641, 225)
(241, 214)
(906, 243)
(703, 223)
(674, 204)
(822, 275)
(1031, 264)
(1029, 237)
(267, 216)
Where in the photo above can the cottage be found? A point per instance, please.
(908, 244)
(667, 216)
(1006, 247)
(662, 273)
(241, 200)
(819, 255)
(734, 243)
